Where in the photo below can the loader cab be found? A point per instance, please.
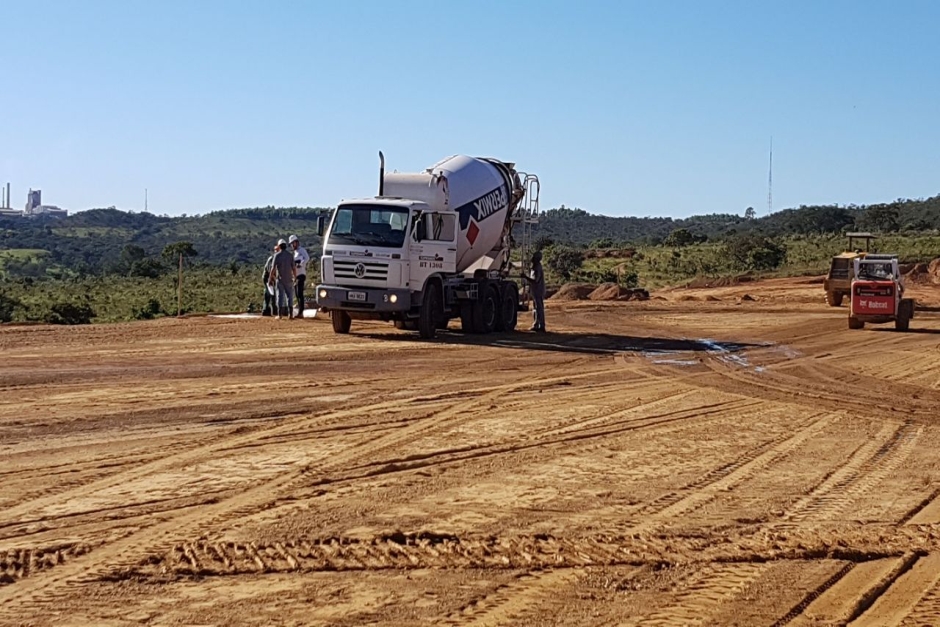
(877, 268)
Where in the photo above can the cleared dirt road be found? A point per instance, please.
(695, 459)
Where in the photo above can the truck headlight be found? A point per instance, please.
(393, 298)
(322, 294)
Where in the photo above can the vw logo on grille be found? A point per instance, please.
(359, 270)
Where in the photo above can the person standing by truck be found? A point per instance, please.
(301, 258)
(282, 278)
(269, 302)
(537, 287)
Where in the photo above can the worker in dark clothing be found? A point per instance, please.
(301, 259)
(282, 278)
(269, 303)
(537, 289)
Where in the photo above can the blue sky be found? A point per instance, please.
(622, 108)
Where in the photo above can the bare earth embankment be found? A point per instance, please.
(698, 458)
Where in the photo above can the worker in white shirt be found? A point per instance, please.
(301, 258)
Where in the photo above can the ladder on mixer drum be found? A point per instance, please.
(524, 219)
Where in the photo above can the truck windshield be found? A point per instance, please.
(370, 225)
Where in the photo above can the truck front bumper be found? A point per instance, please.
(363, 299)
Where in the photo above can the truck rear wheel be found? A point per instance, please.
(466, 316)
(855, 323)
(834, 299)
(508, 308)
(341, 321)
(430, 312)
(486, 312)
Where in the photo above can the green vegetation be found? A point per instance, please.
(578, 227)
(658, 266)
(113, 298)
(108, 265)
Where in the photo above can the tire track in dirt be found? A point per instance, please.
(911, 599)
(869, 465)
(569, 436)
(926, 512)
(509, 602)
(18, 563)
(428, 550)
(815, 594)
(725, 477)
(292, 423)
(158, 537)
(708, 589)
(796, 384)
(847, 594)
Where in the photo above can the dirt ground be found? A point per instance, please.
(700, 458)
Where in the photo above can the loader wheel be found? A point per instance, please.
(430, 312)
(834, 299)
(903, 321)
(341, 322)
(508, 304)
(855, 323)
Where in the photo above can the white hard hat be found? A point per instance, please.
(281, 242)
(292, 239)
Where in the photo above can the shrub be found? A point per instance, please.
(7, 305)
(68, 313)
(563, 261)
(679, 238)
(149, 311)
(756, 252)
(149, 268)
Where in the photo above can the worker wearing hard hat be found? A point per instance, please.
(537, 287)
(282, 278)
(301, 258)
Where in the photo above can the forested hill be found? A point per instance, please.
(94, 240)
(578, 227)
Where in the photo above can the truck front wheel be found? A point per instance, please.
(834, 299)
(430, 312)
(341, 321)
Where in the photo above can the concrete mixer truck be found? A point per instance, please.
(430, 247)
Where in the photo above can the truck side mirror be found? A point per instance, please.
(420, 230)
(321, 225)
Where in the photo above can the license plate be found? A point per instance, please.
(360, 296)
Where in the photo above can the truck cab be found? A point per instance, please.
(379, 252)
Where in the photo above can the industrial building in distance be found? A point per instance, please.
(34, 206)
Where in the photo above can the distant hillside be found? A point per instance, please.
(92, 241)
(577, 227)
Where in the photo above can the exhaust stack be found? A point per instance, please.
(381, 174)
